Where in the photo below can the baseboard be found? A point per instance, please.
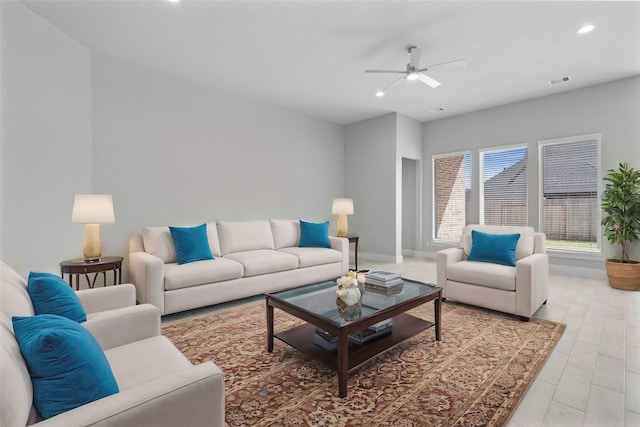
(570, 270)
(390, 259)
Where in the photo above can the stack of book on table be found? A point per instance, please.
(384, 282)
(330, 342)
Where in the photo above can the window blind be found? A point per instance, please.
(570, 203)
(504, 186)
(452, 180)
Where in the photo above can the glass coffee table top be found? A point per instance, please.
(320, 299)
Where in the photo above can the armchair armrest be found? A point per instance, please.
(107, 298)
(445, 257)
(532, 283)
(193, 396)
(341, 244)
(147, 274)
(122, 326)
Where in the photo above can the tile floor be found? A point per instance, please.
(592, 378)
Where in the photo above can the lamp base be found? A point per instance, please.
(92, 250)
(343, 227)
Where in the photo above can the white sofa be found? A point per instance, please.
(169, 391)
(250, 258)
(518, 290)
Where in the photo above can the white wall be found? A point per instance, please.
(409, 146)
(179, 153)
(376, 147)
(612, 109)
(168, 150)
(409, 206)
(45, 141)
(370, 180)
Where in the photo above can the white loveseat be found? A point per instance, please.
(250, 258)
(518, 290)
(169, 391)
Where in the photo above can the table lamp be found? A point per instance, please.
(342, 207)
(92, 210)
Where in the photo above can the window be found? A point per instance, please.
(503, 192)
(570, 173)
(452, 182)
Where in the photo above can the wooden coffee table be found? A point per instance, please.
(316, 304)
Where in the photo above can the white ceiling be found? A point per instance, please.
(310, 56)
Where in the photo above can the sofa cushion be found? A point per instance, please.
(308, 257)
(200, 273)
(66, 364)
(158, 242)
(264, 261)
(493, 248)
(16, 392)
(51, 295)
(191, 243)
(131, 363)
(286, 233)
(526, 242)
(483, 274)
(314, 235)
(14, 298)
(238, 236)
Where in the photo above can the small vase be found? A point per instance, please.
(348, 312)
(349, 295)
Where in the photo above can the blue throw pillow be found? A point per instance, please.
(494, 248)
(52, 295)
(67, 366)
(192, 243)
(314, 235)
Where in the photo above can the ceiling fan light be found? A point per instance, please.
(413, 75)
(586, 29)
(379, 94)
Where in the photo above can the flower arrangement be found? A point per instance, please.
(348, 280)
(347, 289)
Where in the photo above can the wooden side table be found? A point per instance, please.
(77, 267)
(354, 239)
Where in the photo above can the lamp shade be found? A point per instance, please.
(342, 206)
(92, 209)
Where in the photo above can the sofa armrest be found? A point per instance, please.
(107, 298)
(445, 257)
(147, 274)
(341, 244)
(532, 283)
(193, 396)
(122, 326)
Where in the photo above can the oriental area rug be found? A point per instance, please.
(473, 377)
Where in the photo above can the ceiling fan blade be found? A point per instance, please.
(386, 71)
(391, 84)
(445, 65)
(428, 80)
(414, 57)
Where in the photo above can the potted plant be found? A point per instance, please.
(621, 204)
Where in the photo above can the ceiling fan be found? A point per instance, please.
(414, 72)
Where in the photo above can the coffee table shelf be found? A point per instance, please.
(404, 327)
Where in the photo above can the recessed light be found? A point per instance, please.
(173, 1)
(379, 94)
(586, 29)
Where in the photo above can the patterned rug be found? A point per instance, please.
(473, 377)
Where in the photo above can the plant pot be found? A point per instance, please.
(623, 275)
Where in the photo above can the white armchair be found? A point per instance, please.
(518, 290)
(158, 385)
